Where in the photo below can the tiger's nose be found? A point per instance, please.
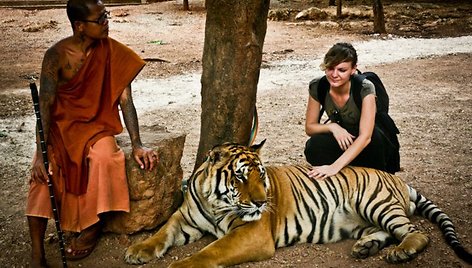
(259, 203)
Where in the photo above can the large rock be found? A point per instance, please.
(312, 13)
(281, 14)
(154, 195)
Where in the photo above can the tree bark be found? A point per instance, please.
(185, 5)
(232, 56)
(379, 17)
(339, 9)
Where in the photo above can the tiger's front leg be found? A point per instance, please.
(168, 235)
(251, 242)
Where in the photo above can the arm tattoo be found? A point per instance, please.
(130, 117)
(68, 66)
(47, 94)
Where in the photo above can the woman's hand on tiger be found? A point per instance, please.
(322, 172)
(342, 136)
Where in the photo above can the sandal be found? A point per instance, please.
(73, 252)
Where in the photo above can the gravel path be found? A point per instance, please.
(152, 94)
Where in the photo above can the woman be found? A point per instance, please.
(350, 138)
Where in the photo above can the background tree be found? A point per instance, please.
(379, 17)
(331, 2)
(232, 55)
(339, 8)
(185, 5)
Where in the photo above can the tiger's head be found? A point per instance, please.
(236, 182)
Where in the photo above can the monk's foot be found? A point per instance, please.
(38, 263)
(81, 246)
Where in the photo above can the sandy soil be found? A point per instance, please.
(428, 81)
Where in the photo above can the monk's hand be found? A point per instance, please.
(146, 158)
(38, 171)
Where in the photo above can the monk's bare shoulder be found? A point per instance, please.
(62, 60)
(52, 65)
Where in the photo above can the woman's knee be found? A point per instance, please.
(373, 155)
(322, 149)
(309, 151)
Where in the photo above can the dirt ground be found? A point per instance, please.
(431, 101)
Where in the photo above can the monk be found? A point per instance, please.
(85, 79)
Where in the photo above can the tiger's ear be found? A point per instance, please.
(257, 147)
(217, 154)
(214, 156)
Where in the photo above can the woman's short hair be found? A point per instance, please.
(340, 52)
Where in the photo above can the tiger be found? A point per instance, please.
(253, 209)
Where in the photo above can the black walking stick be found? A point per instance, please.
(44, 150)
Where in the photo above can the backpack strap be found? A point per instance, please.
(356, 87)
(322, 90)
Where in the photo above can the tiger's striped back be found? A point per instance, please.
(342, 206)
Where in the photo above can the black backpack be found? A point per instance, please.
(382, 119)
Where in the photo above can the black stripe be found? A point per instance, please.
(332, 190)
(435, 215)
(309, 211)
(296, 195)
(393, 227)
(360, 192)
(428, 208)
(193, 192)
(310, 192)
(286, 235)
(389, 214)
(185, 234)
(191, 221)
(295, 239)
(387, 211)
(371, 200)
(313, 221)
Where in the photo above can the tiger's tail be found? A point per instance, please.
(429, 210)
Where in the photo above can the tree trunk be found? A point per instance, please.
(339, 9)
(379, 18)
(232, 56)
(185, 5)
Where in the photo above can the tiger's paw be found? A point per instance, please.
(363, 249)
(139, 253)
(370, 245)
(399, 255)
(409, 248)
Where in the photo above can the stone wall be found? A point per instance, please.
(154, 195)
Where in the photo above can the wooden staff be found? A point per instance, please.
(44, 150)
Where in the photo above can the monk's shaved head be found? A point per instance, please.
(78, 10)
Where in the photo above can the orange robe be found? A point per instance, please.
(107, 189)
(86, 111)
(86, 108)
